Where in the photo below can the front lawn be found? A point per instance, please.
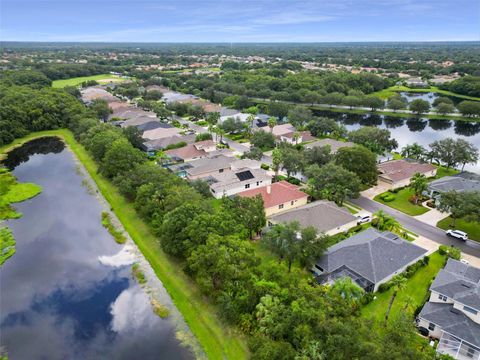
(443, 171)
(471, 228)
(401, 203)
(414, 295)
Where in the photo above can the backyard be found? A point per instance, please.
(414, 295)
(472, 228)
(102, 78)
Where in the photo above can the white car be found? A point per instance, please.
(463, 261)
(362, 219)
(457, 234)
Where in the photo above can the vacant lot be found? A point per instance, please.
(102, 78)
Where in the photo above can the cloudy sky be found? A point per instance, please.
(240, 20)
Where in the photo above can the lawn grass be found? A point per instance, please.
(7, 244)
(401, 202)
(472, 228)
(416, 292)
(443, 171)
(78, 80)
(386, 93)
(218, 340)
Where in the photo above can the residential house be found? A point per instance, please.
(92, 93)
(208, 166)
(369, 258)
(277, 130)
(161, 133)
(334, 144)
(323, 215)
(278, 197)
(191, 151)
(398, 173)
(295, 137)
(151, 146)
(452, 313)
(458, 183)
(231, 182)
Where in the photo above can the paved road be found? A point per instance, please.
(418, 227)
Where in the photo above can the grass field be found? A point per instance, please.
(443, 171)
(414, 295)
(386, 93)
(217, 339)
(105, 78)
(401, 202)
(470, 227)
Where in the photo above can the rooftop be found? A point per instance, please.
(187, 152)
(397, 170)
(161, 133)
(230, 179)
(454, 183)
(334, 144)
(209, 164)
(276, 194)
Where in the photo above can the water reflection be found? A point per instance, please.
(68, 293)
(416, 125)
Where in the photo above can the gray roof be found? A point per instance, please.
(323, 215)
(150, 125)
(228, 112)
(231, 179)
(456, 183)
(334, 144)
(162, 143)
(372, 254)
(452, 321)
(460, 282)
(209, 164)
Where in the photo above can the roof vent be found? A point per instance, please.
(455, 311)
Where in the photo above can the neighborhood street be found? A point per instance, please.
(416, 226)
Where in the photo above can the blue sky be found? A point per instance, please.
(240, 21)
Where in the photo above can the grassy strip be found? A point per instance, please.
(107, 223)
(7, 244)
(78, 80)
(386, 93)
(472, 228)
(401, 202)
(217, 339)
(159, 309)
(138, 274)
(414, 295)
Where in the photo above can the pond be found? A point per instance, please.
(68, 292)
(410, 130)
(427, 96)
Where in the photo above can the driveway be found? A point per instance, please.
(432, 217)
(381, 187)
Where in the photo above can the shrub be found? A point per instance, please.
(384, 287)
(294, 181)
(388, 197)
(367, 298)
(426, 260)
(374, 222)
(203, 137)
(265, 166)
(176, 146)
(356, 229)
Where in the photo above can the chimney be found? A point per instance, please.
(269, 189)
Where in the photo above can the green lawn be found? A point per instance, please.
(471, 228)
(386, 93)
(414, 295)
(78, 80)
(443, 171)
(218, 340)
(401, 202)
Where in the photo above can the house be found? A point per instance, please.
(161, 133)
(92, 93)
(334, 144)
(208, 166)
(192, 151)
(295, 137)
(452, 313)
(398, 173)
(231, 182)
(369, 258)
(323, 215)
(150, 146)
(278, 197)
(458, 183)
(277, 130)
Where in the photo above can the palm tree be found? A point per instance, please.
(399, 283)
(419, 184)
(414, 151)
(220, 132)
(387, 222)
(249, 124)
(347, 289)
(276, 161)
(296, 136)
(271, 123)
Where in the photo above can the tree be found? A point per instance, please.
(263, 140)
(202, 187)
(272, 121)
(120, 157)
(254, 153)
(385, 221)
(396, 102)
(232, 125)
(276, 161)
(373, 138)
(134, 136)
(444, 108)
(332, 182)
(203, 136)
(333, 98)
(465, 153)
(442, 100)
(352, 101)
(248, 211)
(213, 118)
(323, 126)
(469, 108)
(319, 155)
(360, 161)
(454, 203)
(373, 102)
(99, 138)
(414, 151)
(399, 283)
(299, 116)
(101, 109)
(347, 289)
(444, 151)
(419, 184)
(153, 95)
(419, 106)
(292, 159)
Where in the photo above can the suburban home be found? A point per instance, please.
(277, 130)
(208, 166)
(323, 215)
(151, 146)
(369, 258)
(192, 151)
(278, 197)
(161, 133)
(295, 138)
(452, 313)
(92, 93)
(398, 173)
(458, 183)
(231, 182)
(334, 144)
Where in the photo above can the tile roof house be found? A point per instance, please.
(278, 197)
(302, 137)
(399, 172)
(93, 93)
(324, 215)
(161, 133)
(278, 130)
(369, 258)
(334, 144)
(231, 182)
(192, 151)
(452, 313)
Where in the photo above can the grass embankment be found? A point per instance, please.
(400, 202)
(107, 223)
(102, 78)
(386, 93)
(414, 295)
(217, 339)
(7, 244)
(443, 171)
(472, 228)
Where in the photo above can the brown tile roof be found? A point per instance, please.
(280, 193)
(397, 170)
(187, 152)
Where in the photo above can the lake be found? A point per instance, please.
(68, 292)
(409, 130)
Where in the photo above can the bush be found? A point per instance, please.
(176, 146)
(426, 260)
(450, 251)
(294, 181)
(356, 229)
(431, 204)
(388, 197)
(203, 137)
(367, 298)
(385, 286)
(374, 222)
(265, 166)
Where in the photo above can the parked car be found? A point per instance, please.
(457, 234)
(463, 261)
(362, 219)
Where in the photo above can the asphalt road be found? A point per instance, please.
(416, 226)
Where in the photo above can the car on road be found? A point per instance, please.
(457, 234)
(362, 219)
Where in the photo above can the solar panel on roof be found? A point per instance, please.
(245, 175)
